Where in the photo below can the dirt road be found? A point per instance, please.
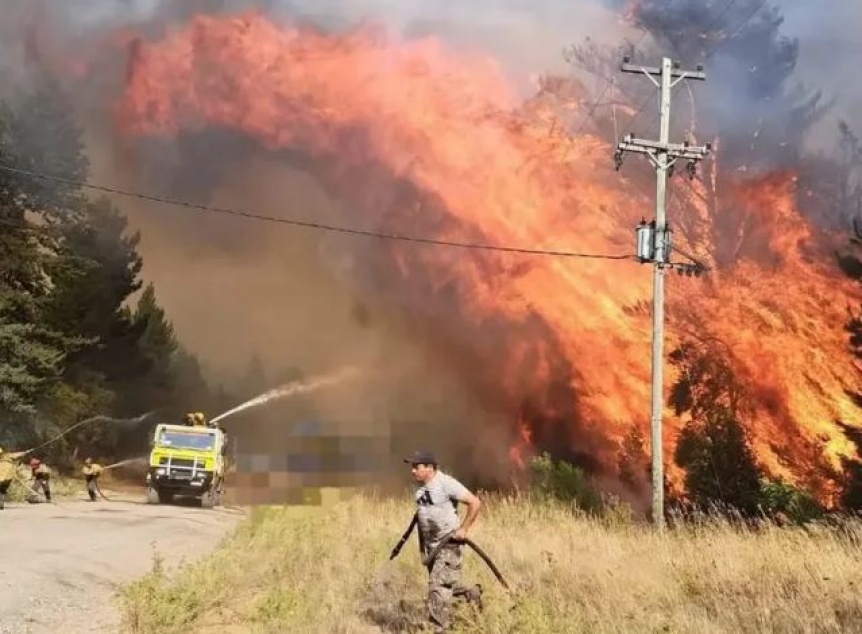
(61, 563)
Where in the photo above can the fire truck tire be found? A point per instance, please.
(208, 500)
(153, 496)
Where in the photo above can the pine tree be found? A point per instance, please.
(95, 272)
(70, 345)
(33, 352)
(720, 466)
(77, 267)
(30, 360)
(713, 448)
(43, 137)
(151, 386)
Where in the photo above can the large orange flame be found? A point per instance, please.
(451, 127)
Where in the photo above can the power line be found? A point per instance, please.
(758, 7)
(309, 224)
(718, 45)
(608, 82)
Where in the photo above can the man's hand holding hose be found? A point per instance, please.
(473, 505)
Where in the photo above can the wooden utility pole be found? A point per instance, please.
(654, 244)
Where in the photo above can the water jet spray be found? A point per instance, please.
(140, 460)
(290, 389)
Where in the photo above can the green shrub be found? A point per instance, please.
(778, 496)
(565, 482)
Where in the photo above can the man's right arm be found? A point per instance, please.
(459, 492)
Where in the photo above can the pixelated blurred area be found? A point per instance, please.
(304, 467)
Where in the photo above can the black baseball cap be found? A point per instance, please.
(421, 456)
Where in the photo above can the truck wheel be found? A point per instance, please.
(208, 500)
(153, 496)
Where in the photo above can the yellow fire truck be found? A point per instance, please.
(187, 460)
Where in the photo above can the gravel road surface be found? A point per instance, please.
(62, 563)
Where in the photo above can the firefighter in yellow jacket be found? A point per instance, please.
(8, 471)
(41, 479)
(92, 471)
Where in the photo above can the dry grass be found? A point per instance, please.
(61, 487)
(327, 570)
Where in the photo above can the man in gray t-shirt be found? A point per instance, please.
(437, 498)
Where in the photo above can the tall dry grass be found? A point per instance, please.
(327, 570)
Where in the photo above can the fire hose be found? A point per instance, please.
(99, 490)
(92, 419)
(428, 560)
(41, 494)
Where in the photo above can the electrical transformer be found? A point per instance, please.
(645, 234)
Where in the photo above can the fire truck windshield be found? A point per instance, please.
(186, 440)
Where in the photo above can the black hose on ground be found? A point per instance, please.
(429, 560)
(99, 489)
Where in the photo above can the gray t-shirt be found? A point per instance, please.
(437, 502)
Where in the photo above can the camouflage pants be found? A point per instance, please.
(91, 487)
(38, 485)
(444, 584)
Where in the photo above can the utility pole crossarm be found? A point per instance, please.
(681, 150)
(675, 71)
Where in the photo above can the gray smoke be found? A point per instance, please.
(526, 37)
(830, 53)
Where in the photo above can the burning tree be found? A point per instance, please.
(760, 131)
(847, 199)
(759, 142)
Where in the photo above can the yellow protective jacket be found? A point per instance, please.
(9, 465)
(92, 470)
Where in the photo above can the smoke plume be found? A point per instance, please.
(317, 302)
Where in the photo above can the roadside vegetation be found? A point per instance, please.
(326, 569)
(62, 486)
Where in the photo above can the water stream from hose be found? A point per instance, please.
(293, 388)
